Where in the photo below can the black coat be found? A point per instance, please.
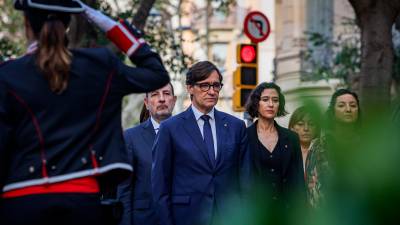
(292, 179)
(47, 138)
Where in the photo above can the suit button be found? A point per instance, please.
(272, 170)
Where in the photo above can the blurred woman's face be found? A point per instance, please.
(269, 104)
(306, 129)
(346, 109)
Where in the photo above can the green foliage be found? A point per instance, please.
(167, 44)
(341, 57)
(9, 50)
(158, 32)
(223, 5)
(11, 34)
(338, 57)
(363, 187)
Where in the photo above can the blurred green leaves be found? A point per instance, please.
(363, 189)
(12, 39)
(329, 57)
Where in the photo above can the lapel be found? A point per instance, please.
(254, 148)
(221, 127)
(191, 127)
(285, 145)
(148, 133)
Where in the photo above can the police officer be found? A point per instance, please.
(60, 116)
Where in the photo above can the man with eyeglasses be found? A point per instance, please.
(200, 157)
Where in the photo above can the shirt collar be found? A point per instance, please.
(156, 125)
(198, 114)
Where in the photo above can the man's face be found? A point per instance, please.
(204, 100)
(160, 103)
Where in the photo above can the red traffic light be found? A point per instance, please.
(248, 54)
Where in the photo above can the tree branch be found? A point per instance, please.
(139, 20)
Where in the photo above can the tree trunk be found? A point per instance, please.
(376, 18)
(139, 20)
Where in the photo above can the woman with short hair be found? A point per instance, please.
(305, 122)
(276, 153)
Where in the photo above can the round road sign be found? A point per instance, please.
(256, 26)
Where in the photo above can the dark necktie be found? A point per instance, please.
(208, 138)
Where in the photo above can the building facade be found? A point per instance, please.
(295, 20)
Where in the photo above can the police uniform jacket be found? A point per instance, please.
(47, 137)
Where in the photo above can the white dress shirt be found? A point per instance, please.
(200, 123)
(156, 125)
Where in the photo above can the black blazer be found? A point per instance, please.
(292, 165)
(135, 193)
(47, 138)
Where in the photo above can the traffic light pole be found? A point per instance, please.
(245, 77)
(246, 116)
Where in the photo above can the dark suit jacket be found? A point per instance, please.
(74, 134)
(186, 187)
(292, 164)
(135, 193)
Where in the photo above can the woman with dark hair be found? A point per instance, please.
(306, 126)
(144, 114)
(305, 122)
(343, 125)
(343, 122)
(339, 136)
(276, 153)
(60, 117)
(344, 112)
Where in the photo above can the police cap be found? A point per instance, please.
(65, 6)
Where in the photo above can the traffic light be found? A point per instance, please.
(245, 77)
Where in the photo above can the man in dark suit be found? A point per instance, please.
(135, 193)
(200, 156)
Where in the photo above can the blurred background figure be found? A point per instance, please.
(305, 122)
(144, 114)
(330, 154)
(276, 151)
(342, 129)
(343, 115)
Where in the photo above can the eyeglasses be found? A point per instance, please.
(206, 86)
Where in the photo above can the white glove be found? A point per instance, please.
(121, 35)
(104, 22)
